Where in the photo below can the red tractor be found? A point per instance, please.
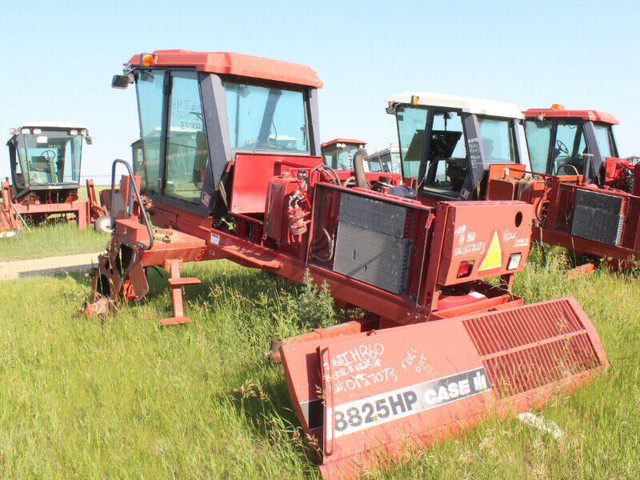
(591, 204)
(233, 170)
(45, 162)
(579, 142)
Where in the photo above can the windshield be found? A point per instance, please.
(446, 160)
(49, 157)
(262, 118)
(604, 139)
(386, 161)
(149, 86)
(339, 156)
(395, 162)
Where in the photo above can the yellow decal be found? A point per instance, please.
(493, 259)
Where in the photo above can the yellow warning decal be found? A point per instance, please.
(493, 259)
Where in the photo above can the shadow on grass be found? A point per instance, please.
(247, 282)
(266, 407)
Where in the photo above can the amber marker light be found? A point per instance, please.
(147, 60)
(557, 106)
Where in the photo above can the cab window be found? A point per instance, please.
(447, 164)
(604, 139)
(149, 87)
(538, 137)
(52, 156)
(569, 149)
(270, 119)
(497, 140)
(411, 125)
(186, 157)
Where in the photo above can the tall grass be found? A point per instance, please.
(51, 240)
(123, 398)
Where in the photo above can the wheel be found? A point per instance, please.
(103, 224)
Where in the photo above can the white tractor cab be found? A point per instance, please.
(386, 160)
(447, 143)
(45, 160)
(339, 152)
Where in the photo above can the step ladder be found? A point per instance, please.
(176, 282)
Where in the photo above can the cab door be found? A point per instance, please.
(186, 143)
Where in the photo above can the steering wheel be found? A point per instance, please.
(49, 155)
(561, 147)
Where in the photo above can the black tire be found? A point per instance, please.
(103, 224)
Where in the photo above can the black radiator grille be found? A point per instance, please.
(596, 216)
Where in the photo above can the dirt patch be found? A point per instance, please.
(47, 266)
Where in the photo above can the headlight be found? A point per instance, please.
(514, 261)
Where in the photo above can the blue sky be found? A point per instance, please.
(59, 57)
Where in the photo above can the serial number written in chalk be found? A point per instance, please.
(358, 415)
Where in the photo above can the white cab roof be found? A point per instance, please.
(61, 125)
(478, 106)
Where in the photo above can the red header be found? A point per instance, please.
(343, 140)
(237, 64)
(593, 115)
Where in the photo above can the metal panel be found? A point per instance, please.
(251, 176)
(523, 349)
(314, 131)
(372, 257)
(596, 216)
(477, 231)
(215, 111)
(475, 154)
(386, 391)
(383, 217)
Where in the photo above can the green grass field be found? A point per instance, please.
(53, 239)
(50, 241)
(124, 398)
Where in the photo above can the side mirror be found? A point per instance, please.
(88, 140)
(121, 81)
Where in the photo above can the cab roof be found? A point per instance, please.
(478, 106)
(54, 125)
(343, 140)
(560, 112)
(238, 64)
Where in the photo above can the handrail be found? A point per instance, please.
(132, 183)
(329, 424)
